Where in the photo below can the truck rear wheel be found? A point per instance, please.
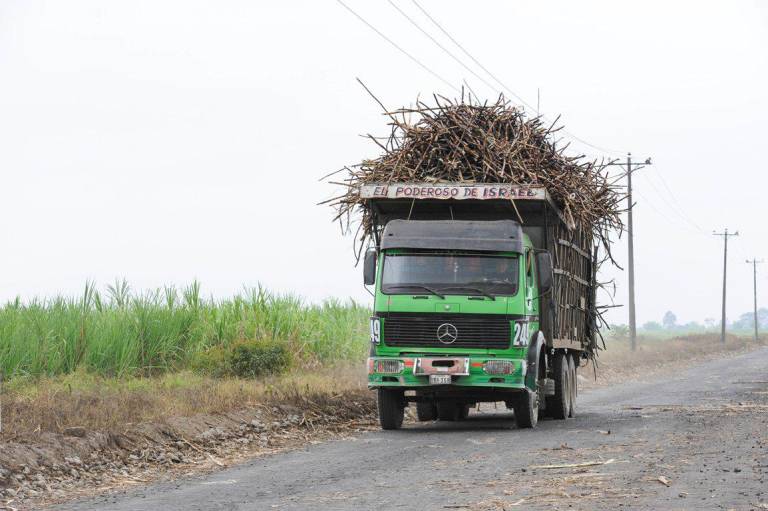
(574, 383)
(559, 405)
(391, 408)
(426, 411)
(526, 409)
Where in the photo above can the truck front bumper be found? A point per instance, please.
(415, 372)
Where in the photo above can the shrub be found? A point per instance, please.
(214, 361)
(245, 358)
(249, 359)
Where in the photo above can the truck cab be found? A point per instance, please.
(457, 320)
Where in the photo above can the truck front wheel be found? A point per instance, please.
(391, 408)
(526, 408)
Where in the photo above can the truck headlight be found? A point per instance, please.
(499, 367)
(385, 366)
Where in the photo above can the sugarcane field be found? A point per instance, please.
(402, 254)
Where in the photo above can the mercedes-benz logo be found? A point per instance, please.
(447, 333)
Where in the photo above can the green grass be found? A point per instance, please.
(120, 333)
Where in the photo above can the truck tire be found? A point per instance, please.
(426, 411)
(391, 408)
(572, 361)
(559, 405)
(464, 412)
(526, 409)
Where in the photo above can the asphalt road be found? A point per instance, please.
(698, 440)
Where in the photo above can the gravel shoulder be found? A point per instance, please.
(696, 439)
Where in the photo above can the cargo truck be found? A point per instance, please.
(482, 293)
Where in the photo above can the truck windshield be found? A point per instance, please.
(450, 274)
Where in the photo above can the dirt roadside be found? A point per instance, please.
(43, 468)
(46, 468)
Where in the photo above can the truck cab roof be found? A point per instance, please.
(483, 235)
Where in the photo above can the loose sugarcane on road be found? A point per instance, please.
(697, 440)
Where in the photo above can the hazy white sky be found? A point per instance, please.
(164, 141)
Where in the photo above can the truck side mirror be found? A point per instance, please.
(544, 265)
(369, 267)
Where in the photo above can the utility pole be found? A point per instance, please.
(631, 167)
(725, 235)
(754, 263)
(631, 256)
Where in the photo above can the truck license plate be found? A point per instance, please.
(439, 379)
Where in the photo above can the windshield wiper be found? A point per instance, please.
(419, 286)
(470, 288)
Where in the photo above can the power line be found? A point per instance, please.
(673, 207)
(454, 41)
(690, 225)
(476, 61)
(439, 45)
(442, 79)
(664, 182)
(390, 41)
(676, 201)
(661, 214)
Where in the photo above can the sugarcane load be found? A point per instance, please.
(482, 239)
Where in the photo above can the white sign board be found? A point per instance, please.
(451, 191)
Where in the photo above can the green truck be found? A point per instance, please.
(482, 293)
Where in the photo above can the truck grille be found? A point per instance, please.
(438, 330)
